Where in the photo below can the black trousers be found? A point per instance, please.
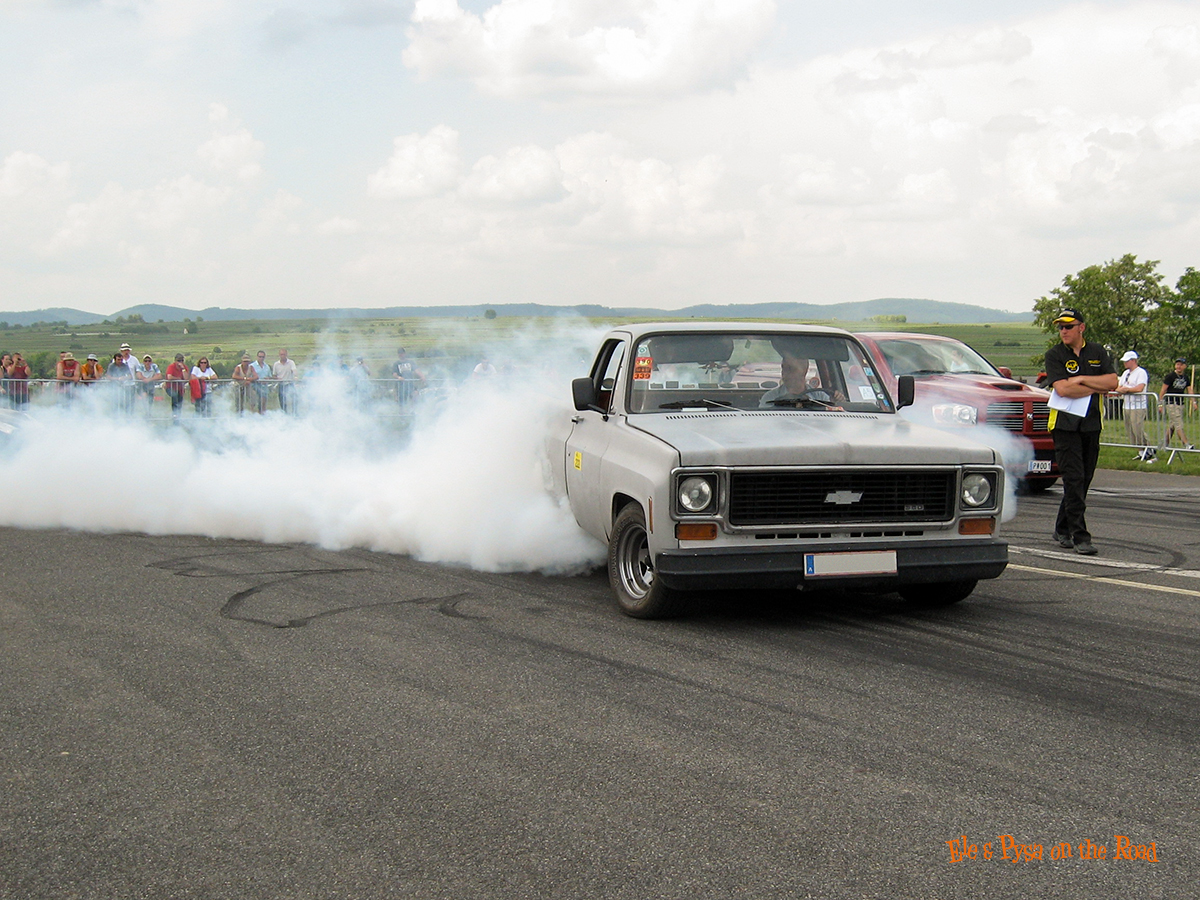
(1076, 453)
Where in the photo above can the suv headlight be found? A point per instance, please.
(696, 493)
(954, 414)
(978, 490)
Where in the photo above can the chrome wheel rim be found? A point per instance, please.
(633, 563)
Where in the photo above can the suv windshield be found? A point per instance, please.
(913, 356)
(751, 370)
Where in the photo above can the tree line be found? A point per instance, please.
(1128, 307)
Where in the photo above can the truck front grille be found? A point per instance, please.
(1013, 415)
(830, 496)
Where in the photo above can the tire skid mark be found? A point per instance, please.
(194, 566)
(231, 608)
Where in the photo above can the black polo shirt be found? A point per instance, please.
(1061, 362)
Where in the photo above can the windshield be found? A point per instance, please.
(915, 356)
(753, 370)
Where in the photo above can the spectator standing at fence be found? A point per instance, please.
(6, 362)
(131, 362)
(1132, 386)
(91, 371)
(67, 373)
(176, 385)
(202, 378)
(121, 377)
(285, 373)
(408, 379)
(1172, 397)
(262, 384)
(148, 376)
(484, 369)
(360, 380)
(1078, 370)
(18, 375)
(244, 377)
(118, 370)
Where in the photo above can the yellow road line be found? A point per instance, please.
(1133, 584)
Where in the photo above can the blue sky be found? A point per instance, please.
(626, 152)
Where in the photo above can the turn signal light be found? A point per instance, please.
(977, 526)
(696, 531)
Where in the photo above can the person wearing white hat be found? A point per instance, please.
(1132, 384)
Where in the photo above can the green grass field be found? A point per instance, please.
(429, 341)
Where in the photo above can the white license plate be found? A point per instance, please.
(865, 562)
(1040, 465)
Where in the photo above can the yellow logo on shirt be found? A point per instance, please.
(1072, 366)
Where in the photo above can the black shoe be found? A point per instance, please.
(1085, 548)
(1064, 540)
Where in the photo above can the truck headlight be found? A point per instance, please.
(696, 493)
(954, 414)
(977, 490)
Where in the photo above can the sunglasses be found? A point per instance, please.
(1068, 327)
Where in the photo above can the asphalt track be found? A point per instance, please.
(186, 717)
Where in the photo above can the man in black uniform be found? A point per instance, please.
(1076, 369)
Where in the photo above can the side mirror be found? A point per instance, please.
(1005, 371)
(906, 390)
(583, 393)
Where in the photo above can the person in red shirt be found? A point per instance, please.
(176, 384)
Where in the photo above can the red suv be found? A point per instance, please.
(958, 387)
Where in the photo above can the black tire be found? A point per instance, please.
(941, 593)
(631, 570)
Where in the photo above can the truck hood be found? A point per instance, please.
(977, 389)
(789, 438)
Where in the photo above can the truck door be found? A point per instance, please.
(590, 435)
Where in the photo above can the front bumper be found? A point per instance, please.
(723, 568)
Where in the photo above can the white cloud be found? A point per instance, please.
(420, 166)
(618, 197)
(339, 225)
(231, 150)
(585, 47)
(168, 215)
(236, 153)
(523, 175)
(28, 176)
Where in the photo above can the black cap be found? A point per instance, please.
(1068, 316)
(1181, 360)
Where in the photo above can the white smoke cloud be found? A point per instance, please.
(470, 486)
(1015, 452)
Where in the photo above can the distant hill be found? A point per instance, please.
(917, 311)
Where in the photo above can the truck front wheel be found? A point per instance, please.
(631, 570)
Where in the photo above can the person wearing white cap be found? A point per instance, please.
(131, 361)
(1132, 384)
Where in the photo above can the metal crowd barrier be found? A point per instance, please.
(223, 397)
(1163, 420)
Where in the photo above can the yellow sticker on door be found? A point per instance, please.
(578, 461)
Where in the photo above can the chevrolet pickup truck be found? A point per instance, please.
(713, 456)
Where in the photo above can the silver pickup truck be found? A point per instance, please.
(736, 455)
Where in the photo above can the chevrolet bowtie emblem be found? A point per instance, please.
(843, 498)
